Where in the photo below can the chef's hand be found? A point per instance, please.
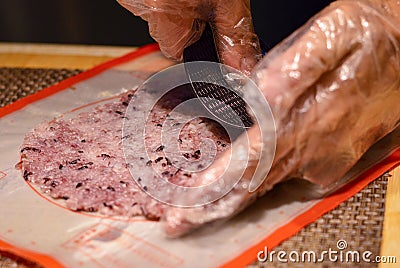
(176, 24)
(334, 90)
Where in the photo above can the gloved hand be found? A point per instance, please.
(334, 90)
(176, 24)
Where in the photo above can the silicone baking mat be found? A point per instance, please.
(358, 220)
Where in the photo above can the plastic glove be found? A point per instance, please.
(334, 90)
(178, 24)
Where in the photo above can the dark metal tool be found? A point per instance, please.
(215, 93)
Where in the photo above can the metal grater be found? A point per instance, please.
(216, 98)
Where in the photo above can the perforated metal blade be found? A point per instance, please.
(215, 93)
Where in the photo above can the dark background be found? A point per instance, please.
(105, 22)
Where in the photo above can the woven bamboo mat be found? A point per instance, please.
(358, 221)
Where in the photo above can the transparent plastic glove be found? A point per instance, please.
(334, 89)
(176, 24)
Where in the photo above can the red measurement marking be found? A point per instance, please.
(89, 244)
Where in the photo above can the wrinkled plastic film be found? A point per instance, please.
(176, 25)
(333, 88)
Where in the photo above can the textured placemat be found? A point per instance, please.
(358, 221)
(16, 83)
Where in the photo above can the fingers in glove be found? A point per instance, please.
(236, 41)
(173, 24)
(172, 36)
